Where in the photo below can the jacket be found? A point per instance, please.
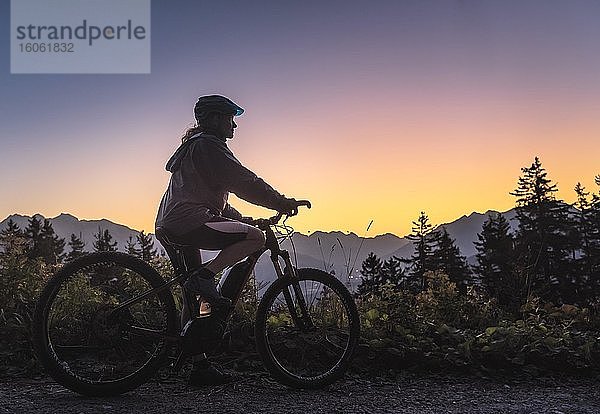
(203, 173)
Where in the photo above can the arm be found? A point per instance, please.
(229, 173)
(230, 212)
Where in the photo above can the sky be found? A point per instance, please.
(373, 110)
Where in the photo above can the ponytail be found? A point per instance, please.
(190, 132)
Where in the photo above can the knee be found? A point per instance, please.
(257, 236)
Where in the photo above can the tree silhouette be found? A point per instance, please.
(33, 232)
(371, 280)
(11, 238)
(392, 272)
(43, 241)
(104, 241)
(592, 250)
(52, 247)
(76, 244)
(446, 257)
(15, 272)
(496, 262)
(423, 238)
(542, 238)
(131, 247)
(148, 252)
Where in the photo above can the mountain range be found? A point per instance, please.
(331, 251)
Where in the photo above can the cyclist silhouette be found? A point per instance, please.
(194, 209)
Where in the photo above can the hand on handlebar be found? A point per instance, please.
(261, 223)
(290, 206)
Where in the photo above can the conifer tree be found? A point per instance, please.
(593, 250)
(392, 272)
(446, 257)
(15, 270)
(76, 244)
(52, 247)
(584, 233)
(371, 280)
(43, 242)
(104, 241)
(131, 247)
(423, 238)
(11, 238)
(495, 261)
(542, 238)
(148, 252)
(33, 232)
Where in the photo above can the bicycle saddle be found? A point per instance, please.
(183, 256)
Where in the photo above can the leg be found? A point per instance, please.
(205, 373)
(255, 239)
(236, 240)
(191, 259)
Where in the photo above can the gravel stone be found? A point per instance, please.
(259, 394)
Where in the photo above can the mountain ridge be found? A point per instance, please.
(333, 251)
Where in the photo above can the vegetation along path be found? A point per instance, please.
(258, 394)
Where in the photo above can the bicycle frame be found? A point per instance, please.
(302, 321)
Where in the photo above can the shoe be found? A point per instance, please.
(208, 374)
(201, 282)
(204, 308)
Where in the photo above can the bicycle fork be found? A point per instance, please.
(303, 321)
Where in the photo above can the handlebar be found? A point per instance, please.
(263, 223)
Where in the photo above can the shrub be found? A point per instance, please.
(441, 329)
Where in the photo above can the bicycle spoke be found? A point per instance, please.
(96, 343)
(304, 353)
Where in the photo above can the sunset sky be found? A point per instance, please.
(373, 110)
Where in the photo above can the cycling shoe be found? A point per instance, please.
(201, 282)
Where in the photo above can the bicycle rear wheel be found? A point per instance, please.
(87, 346)
(307, 356)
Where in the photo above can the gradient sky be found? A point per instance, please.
(373, 110)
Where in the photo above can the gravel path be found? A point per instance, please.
(414, 394)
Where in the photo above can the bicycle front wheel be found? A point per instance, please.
(90, 345)
(311, 350)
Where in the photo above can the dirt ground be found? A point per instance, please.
(259, 394)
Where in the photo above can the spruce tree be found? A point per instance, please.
(51, 246)
(148, 252)
(446, 257)
(76, 244)
(423, 238)
(542, 239)
(11, 238)
(15, 272)
(131, 247)
(371, 279)
(33, 232)
(392, 272)
(593, 250)
(495, 262)
(104, 241)
(583, 252)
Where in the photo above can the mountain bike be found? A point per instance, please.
(107, 322)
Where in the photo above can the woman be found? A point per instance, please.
(194, 209)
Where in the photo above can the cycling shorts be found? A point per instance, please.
(216, 234)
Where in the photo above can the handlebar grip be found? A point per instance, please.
(304, 203)
(275, 219)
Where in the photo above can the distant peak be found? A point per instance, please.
(66, 216)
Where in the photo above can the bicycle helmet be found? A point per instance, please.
(215, 103)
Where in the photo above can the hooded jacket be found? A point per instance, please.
(203, 173)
